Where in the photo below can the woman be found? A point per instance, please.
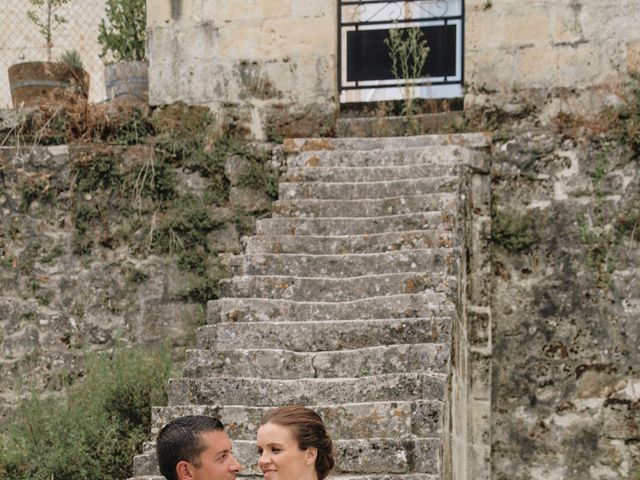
(293, 445)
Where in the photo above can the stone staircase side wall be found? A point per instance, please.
(466, 451)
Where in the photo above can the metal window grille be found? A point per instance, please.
(364, 72)
(21, 41)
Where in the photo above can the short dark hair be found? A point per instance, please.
(181, 440)
(309, 431)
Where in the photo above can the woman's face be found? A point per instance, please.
(280, 456)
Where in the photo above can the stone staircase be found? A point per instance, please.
(343, 301)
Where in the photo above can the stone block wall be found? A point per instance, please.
(267, 67)
(565, 305)
(570, 55)
(59, 298)
(56, 305)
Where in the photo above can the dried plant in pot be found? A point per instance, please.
(47, 82)
(122, 38)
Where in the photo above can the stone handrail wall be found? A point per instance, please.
(467, 452)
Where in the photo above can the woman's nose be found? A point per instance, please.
(264, 459)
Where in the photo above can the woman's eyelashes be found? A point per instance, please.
(273, 450)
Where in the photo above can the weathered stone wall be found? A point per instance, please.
(20, 41)
(266, 66)
(269, 66)
(565, 307)
(569, 55)
(56, 303)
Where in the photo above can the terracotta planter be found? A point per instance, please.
(42, 83)
(127, 82)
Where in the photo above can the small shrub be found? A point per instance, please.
(203, 289)
(136, 276)
(123, 35)
(261, 176)
(94, 432)
(132, 127)
(513, 232)
(186, 226)
(84, 216)
(35, 188)
(193, 261)
(98, 172)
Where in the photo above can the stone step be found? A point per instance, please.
(285, 364)
(354, 456)
(345, 421)
(411, 476)
(355, 225)
(369, 174)
(401, 205)
(376, 158)
(366, 190)
(335, 289)
(436, 142)
(423, 304)
(321, 391)
(340, 244)
(323, 336)
(346, 265)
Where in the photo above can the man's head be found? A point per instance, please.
(196, 447)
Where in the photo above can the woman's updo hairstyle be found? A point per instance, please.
(309, 430)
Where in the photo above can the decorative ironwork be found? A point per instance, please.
(396, 11)
(363, 58)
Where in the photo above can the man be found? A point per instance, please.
(196, 447)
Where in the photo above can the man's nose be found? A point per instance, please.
(236, 466)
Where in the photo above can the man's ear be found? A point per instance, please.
(310, 455)
(183, 469)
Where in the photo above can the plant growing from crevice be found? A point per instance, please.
(599, 242)
(36, 187)
(515, 233)
(408, 51)
(260, 176)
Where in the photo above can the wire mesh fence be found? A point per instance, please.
(22, 40)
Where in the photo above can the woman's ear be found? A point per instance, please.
(183, 470)
(310, 456)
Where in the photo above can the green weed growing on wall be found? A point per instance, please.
(515, 233)
(408, 51)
